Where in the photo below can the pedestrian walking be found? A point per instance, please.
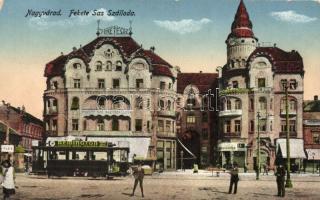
(265, 169)
(138, 174)
(280, 173)
(8, 182)
(234, 178)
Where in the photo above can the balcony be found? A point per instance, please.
(95, 112)
(52, 111)
(166, 134)
(170, 113)
(291, 112)
(231, 135)
(284, 134)
(117, 133)
(230, 113)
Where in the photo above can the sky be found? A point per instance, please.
(190, 34)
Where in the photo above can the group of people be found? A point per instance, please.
(280, 174)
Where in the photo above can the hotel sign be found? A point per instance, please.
(7, 148)
(115, 31)
(126, 113)
(85, 144)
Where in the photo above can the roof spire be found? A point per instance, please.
(241, 26)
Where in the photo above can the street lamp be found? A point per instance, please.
(258, 145)
(181, 152)
(313, 162)
(288, 180)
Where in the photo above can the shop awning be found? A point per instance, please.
(296, 148)
(137, 145)
(313, 154)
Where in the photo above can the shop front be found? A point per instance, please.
(232, 152)
(312, 163)
(166, 154)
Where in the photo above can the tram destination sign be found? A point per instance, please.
(84, 144)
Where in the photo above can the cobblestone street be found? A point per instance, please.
(169, 185)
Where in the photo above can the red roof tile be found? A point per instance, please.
(282, 61)
(203, 81)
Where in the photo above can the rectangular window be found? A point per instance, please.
(235, 84)
(283, 126)
(262, 125)
(316, 137)
(101, 83)
(54, 125)
(76, 83)
(261, 82)
(162, 85)
(292, 125)
(160, 126)
(293, 84)
(227, 126)
(100, 125)
(252, 126)
(237, 126)
(148, 125)
(116, 83)
(168, 126)
(251, 104)
(170, 85)
(138, 124)
(139, 83)
(204, 134)
(204, 117)
(191, 119)
(284, 83)
(75, 124)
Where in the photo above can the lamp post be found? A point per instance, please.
(313, 162)
(258, 150)
(288, 180)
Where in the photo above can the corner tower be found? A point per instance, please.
(241, 42)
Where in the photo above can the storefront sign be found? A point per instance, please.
(7, 148)
(115, 31)
(88, 144)
(35, 143)
(227, 147)
(126, 113)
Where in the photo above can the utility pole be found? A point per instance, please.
(258, 150)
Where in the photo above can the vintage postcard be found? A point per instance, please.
(159, 99)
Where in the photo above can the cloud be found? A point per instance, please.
(183, 26)
(45, 22)
(292, 16)
(318, 1)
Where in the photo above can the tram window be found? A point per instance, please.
(99, 156)
(77, 155)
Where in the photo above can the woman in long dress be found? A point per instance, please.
(8, 183)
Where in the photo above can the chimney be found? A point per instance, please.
(3, 102)
(315, 97)
(74, 48)
(152, 48)
(61, 53)
(275, 45)
(200, 72)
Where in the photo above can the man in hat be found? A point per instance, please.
(138, 174)
(280, 174)
(234, 178)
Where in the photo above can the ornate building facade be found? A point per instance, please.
(114, 90)
(252, 96)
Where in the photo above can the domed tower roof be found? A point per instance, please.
(241, 26)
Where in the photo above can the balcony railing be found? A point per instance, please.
(227, 113)
(116, 133)
(284, 134)
(166, 134)
(231, 135)
(290, 112)
(167, 113)
(96, 112)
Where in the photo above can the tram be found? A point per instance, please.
(80, 158)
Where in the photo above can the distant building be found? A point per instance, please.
(196, 121)
(311, 132)
(251, 82)
(112, 89)
(23, 127)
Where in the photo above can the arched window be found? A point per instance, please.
(101, 102)
(169, 105)
(98, 66)
(139, 103)
(119, 66)
(237, 104)
(75, 103)
(262, 103)
(228, 104)
(76, 65)
(292, 105)
(191, 101)
(109, 66)
(161, 104)
(100, 125)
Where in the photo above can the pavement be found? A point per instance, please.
(168, 185)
